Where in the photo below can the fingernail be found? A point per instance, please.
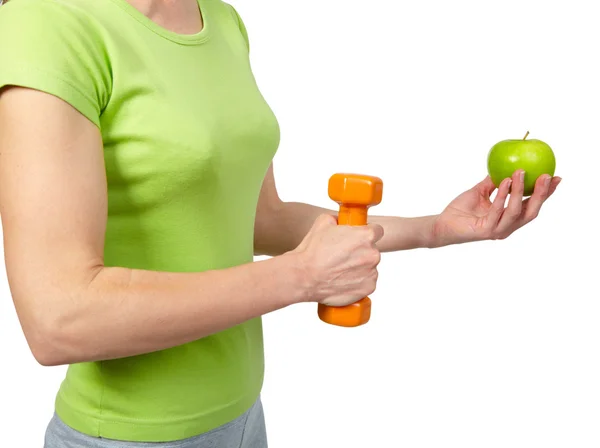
(547, 181)
(522, 176)
(509, 183)
(559, 180)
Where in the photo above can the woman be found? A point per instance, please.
(136, 184)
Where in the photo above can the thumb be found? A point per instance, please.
(320, 224)
(486, 187)
(377, 232)
(323, 221)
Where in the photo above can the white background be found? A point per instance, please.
(491, 344)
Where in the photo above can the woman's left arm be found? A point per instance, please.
(471, 216)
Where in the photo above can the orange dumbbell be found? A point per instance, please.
(355, 193)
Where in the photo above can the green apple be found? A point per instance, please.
(533, 156)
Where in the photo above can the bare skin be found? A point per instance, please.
(178, 16)
(74, 309)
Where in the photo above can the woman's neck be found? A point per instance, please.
(178, 16)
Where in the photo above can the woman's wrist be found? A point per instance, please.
(428, 233)
(292, 270)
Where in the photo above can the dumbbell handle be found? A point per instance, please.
(357, 313)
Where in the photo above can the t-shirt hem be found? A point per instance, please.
(142, 431)
(29, 77)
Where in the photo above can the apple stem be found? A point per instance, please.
(525, 138)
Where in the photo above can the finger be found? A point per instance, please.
(515, 203)
(541, 192)
(554, 185)
(375, 259)
(499, 201)
(375, 232)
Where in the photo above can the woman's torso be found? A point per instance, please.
(188, 139)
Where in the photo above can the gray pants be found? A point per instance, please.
(247, 431)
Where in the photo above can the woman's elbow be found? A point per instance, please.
(43, 349)
(53, 317)
(49, 342)
(47, 357)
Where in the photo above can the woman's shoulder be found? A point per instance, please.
(57, 46)
(31, 18)
(235, 16)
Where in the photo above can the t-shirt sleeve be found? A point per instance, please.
(55, 48)
(241, 25)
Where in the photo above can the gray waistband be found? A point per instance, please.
(246, 431)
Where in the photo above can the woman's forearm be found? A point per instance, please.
(125, 312)
(405, 233)
(287, 225)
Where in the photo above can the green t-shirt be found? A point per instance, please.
(188, 139)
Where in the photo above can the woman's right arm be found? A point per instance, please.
(53, 204)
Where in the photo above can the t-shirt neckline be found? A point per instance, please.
(185, 39)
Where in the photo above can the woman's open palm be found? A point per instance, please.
(473, 216)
